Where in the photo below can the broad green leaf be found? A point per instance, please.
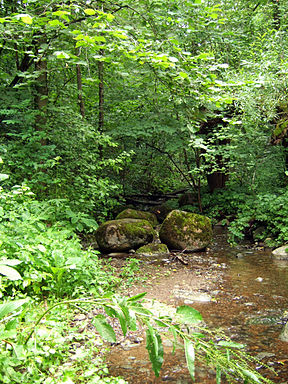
(173, 330)
(3, 176)
(111, 311)
(61, 13)
(230, 344)
(190, 356)
(54, 23)
(155, 349)
(189, 315)
(89, 11)
(9, 272)
(104, 329)
(110, 17)
(141, 310)
(184, 75)
(11, 306)
(61, 55)
(132, 320)
(99, 39)
(27, 19)
(251, 375)
(137, 297)
(11, 262)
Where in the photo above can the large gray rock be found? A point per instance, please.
(123, 235)
(186, 231)
(281, 253)
(135, 214)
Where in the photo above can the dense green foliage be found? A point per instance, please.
(101, 100)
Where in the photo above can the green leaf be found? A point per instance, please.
(111, 311)
(89, 11)
(61, 55)
(11, 262)
(9, 272)
(184, 75)
(251, 375)
(218, 375)
(3, 176)
(230, 344)
(11, 306)
(104, 329)
(54, 23)
(137, 297)
(27, 19)
(61, 13)
(155, 349)
(190, 356)
(188, 315)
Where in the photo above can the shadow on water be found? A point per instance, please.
(249, 293)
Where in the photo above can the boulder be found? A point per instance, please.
(284, 333)
(135, 214)
(186, 231)
(153, 249)
(281, 253)
(123, 235)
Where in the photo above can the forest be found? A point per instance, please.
(105, 104)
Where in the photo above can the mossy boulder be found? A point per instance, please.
(281, 253)
(153, 249)
(135, 214)
(124, 234)
(186, 231)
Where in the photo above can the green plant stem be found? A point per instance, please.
(67, 302)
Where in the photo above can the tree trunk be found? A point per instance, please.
(80, 93)
(41, 96)
(101, 93)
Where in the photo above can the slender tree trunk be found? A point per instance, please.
(101, 93)
(41, 96)
(80, 93)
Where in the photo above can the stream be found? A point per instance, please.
(240, 290)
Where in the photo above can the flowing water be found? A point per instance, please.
(249, 296)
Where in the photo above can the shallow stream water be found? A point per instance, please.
(241, 290)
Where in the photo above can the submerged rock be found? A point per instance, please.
(124, 234)
(186, 231)
(135, 214)
(281, 253)
(153, 249)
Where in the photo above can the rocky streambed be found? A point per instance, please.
(242, 291)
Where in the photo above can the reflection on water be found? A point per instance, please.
(249, 305)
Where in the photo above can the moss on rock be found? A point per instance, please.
(135, 214)
(186, 231)
(123, 235)
(153, 249)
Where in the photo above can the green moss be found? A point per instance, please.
(135, 214)
(280, 128)
(186, 230)
(153, 249)
(124, 234)
(135, 227)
